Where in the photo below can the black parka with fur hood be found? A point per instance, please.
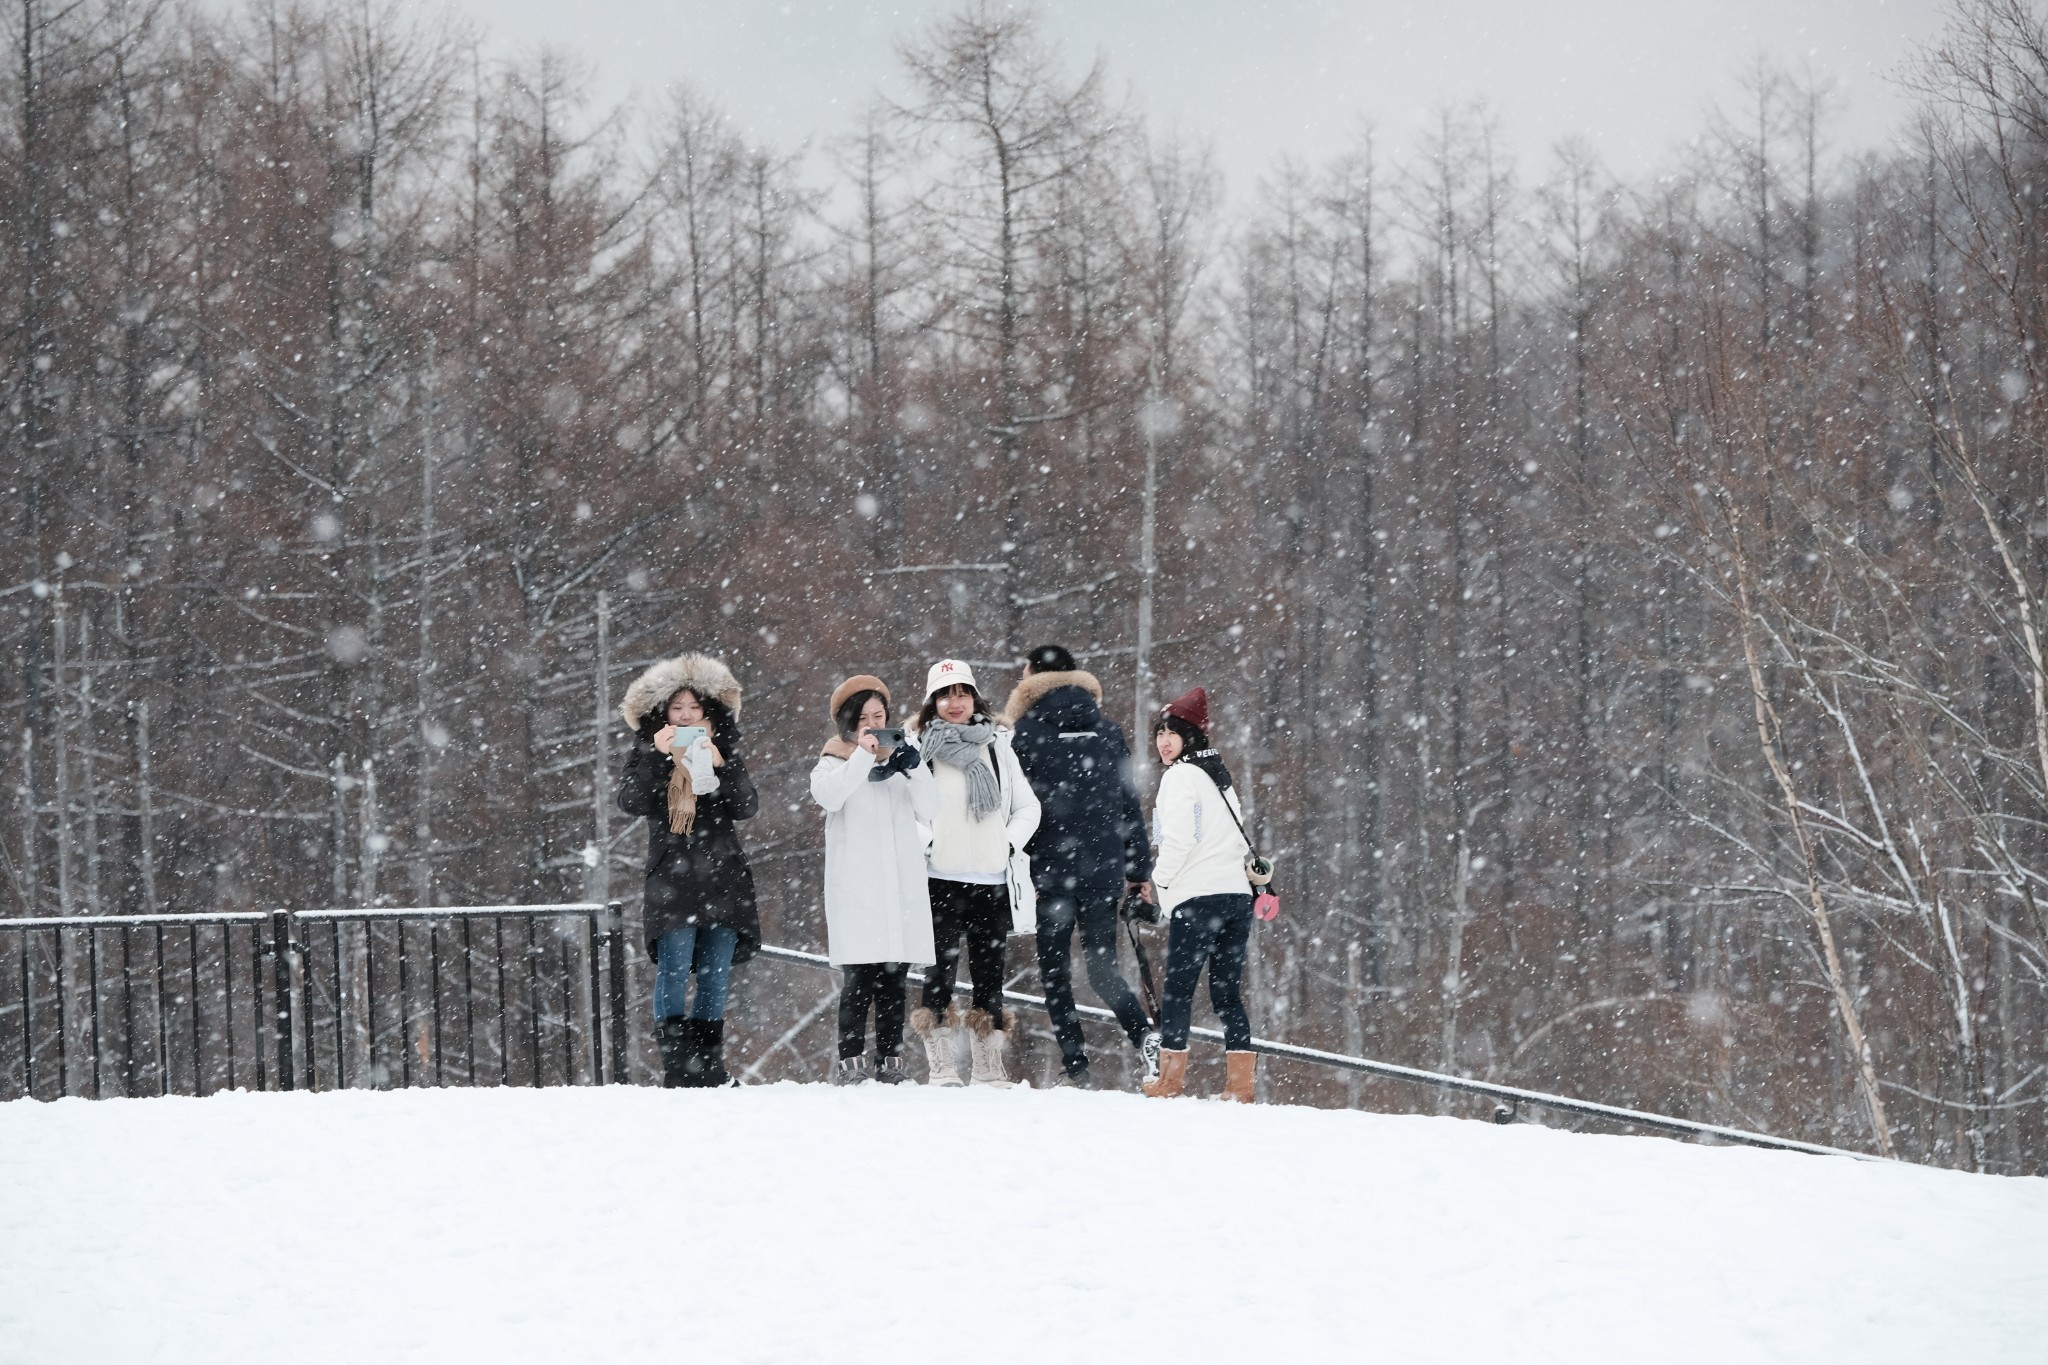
(701, 877)
(1091, 830)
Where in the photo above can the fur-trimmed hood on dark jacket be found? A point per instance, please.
(1033, 687)
(699, 878)
(702, 674)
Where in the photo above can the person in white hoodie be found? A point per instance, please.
(878, 918)
(1199, 878)
(986, 812)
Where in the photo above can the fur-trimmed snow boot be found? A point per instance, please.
(1173, 1076)
(1240, 1074)
(941, 1044)
(675, 1038)
(986, 1041)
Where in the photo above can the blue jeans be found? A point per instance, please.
(709, 952)
(1211, 930)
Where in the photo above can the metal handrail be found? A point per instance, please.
(136, 921)
(345, 913)
(1514, 1095)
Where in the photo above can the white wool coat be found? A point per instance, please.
(1201, 852)
(961, 848)
(877, 907)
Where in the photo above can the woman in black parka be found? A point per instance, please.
(687, 777)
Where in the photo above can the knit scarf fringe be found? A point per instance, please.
(682, 801)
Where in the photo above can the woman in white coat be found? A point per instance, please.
(986, 813)
(878, 917)
(1199, 878)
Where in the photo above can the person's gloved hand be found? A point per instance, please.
(1136, 907)
(901, 759)
(703, 772)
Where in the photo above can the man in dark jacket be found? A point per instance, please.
(1089, 849)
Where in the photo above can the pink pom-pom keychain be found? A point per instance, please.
(1266, 907)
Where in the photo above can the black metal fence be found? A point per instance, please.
(526, 995)
(142, 1005)
(108, 1006)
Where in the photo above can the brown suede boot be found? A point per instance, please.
(1240, 1073)
(1173, 1076)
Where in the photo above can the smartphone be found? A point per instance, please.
(888, 739)
(685, 736)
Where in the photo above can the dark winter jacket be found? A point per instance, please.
(701, 877)
(1091, 830)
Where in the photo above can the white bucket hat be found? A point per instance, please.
(944, 674)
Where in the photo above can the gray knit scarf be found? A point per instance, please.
(961, 746)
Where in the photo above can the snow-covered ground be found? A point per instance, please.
(805, 1224)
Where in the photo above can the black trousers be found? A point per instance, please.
(1212, 931)
(981, 914)
(1094, 914)
(879, 984)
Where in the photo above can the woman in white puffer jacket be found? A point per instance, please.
(986, 813)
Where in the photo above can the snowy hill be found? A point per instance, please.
(793, 1223)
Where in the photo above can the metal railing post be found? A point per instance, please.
(594, 994)
(615, 943)
(281, 975)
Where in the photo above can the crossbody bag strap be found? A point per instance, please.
(1224, 797)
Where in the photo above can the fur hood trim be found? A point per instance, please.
(701, 673)
(1033, 688)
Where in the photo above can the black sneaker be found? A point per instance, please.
(850, 1071)
(889, 1070)
(1148, 1055)
(1074, 1080)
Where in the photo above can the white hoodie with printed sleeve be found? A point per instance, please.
(1200, 851)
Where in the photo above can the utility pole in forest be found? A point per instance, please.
(1148, 558)
(598, 879)
(427, 732)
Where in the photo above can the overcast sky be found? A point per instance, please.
(1263, 78)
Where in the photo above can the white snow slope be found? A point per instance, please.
(802, 1223)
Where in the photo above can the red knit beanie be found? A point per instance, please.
(1192, 707)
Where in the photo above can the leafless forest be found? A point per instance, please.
(1623, 603)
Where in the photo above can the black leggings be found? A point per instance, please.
(872, 983)
(1213, 930)
(982, 913)
(1095, 915)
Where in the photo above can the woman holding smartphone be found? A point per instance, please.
(986, 812)
(686, 776)
(874, 791)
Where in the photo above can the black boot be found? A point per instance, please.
(711, 1046)
(694, 1063)
(675, 1038)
